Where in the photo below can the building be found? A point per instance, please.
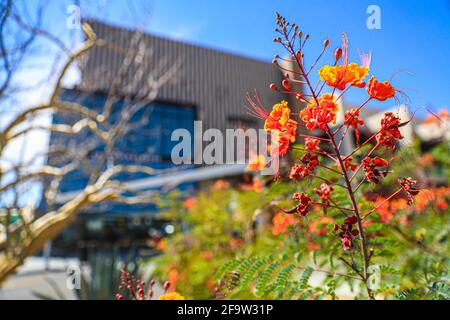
(208, 85)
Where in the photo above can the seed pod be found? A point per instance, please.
(286, 85)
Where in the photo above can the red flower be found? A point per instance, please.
(319, 115)
(408, 184)
(305, 203)
(280, 142)
(389, 132)
(380, 90)
(310, 160)
(348, 164)
(371, 165)
(298, 172)
(278, 123)
(281, 223)
(312, 144)
(347, 233)
(351, 119)
(346, 243)
(324, 193)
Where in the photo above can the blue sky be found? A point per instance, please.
(414, 35)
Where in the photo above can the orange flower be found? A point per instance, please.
(439, 120)
(161, 245)
(221, 184)
(442, 204)
(279, 118)
(281, 222)
(342, 75)
(171, 296)
(384, 210)
(282, 128)
(318, 116)
(257, 163)
(426, 159)
(173, 277)
(320, 227)
(380, 90)
(189, 203)
(312, 144)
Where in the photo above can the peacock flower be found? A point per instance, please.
(298, 171)
(351, 119)
(281, 127)
(346, 232)
(281, 223)
(380, 90)
(312, 144)
(324, 193)
(408, 185)
(279, 117)
(304, 203)
(372, 168)
(171, 296)
(342, 75)
(389, 132)
(257, 163)
(319, 114)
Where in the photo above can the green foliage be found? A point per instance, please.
(409, 246)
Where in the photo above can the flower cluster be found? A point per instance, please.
(282, 128)
(389, 132)
(324, 137)
(304, 203)
(380, 90)
(324, 193)
(342, 75)
(373, 169)
(319, 113)
(408, 185)
(346, 231)
(281, 222)
(351, 119)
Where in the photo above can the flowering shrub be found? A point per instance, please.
(332, 225)
(346, 178)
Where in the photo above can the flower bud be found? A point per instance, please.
(286, 85)
(166, 285)
(338, 54)
(273, 87)
(326, 43)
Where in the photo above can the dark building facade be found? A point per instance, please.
(207, 85)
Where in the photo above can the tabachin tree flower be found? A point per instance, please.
(319, 119)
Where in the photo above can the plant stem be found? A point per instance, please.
(363, 246)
